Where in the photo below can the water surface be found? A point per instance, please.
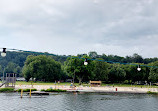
(79, 102)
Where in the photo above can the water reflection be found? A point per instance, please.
(79, 102)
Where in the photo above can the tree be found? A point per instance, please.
(1, 70)
(101, 70)
(42, 68)
(133, 75)
(93, 54)
(153, 75)
(11, 67)
(18, 70)
(116, 73)
(75, 68)
(137, 58)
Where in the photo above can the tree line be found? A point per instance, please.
(110, 72)
(14, 61)
(44, 68)
(48, 67)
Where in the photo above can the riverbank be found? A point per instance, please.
(120, 88)
(90, 89)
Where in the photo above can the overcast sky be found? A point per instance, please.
(64, 27)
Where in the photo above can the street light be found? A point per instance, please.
(139, 69)
(3, 53)
(86, 62)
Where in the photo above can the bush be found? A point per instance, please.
(126, 82)
(149, 92)
(6, 89)
(42, 89)
(26, 90)
(54, 90)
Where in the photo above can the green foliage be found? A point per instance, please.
(93, 54)
(18, 58)
(42, 68)
(26, 90)
(149, 92)
(74, 67)
(134, 75)
(42, 89)
(11, 67)
(13, 62)
(1, 69)
(53, 90)
(101, 70)
(6, 89)
(153, 75)
(116, 73)
(137, 58)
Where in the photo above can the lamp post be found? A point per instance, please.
(86, 62)
(138, 69)
(3, 53)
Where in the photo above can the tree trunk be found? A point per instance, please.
(80, 80)
(73, 77)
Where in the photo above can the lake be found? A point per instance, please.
(79, 102)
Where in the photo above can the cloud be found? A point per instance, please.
(118, 27)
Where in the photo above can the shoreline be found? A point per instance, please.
(101, 89)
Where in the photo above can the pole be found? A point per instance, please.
(21, 92)
(30, 92)
(58, 84)
(3, 73)
(74, 78)
(55, 84)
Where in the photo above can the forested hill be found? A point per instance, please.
(14, 61)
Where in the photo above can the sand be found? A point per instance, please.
(91, 89)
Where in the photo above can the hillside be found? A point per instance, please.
(14, 61)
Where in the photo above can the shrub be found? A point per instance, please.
(42, 89)
(6, 89)
(26, 90)
(149, 92)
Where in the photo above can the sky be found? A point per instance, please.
(71, 27)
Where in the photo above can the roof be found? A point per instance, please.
(95, 82)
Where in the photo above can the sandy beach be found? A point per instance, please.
(91, 89)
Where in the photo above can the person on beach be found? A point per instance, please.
(71, 86)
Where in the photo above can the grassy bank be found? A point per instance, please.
(42, 83)
(26, 90)
(13, 90)
(6, 89)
